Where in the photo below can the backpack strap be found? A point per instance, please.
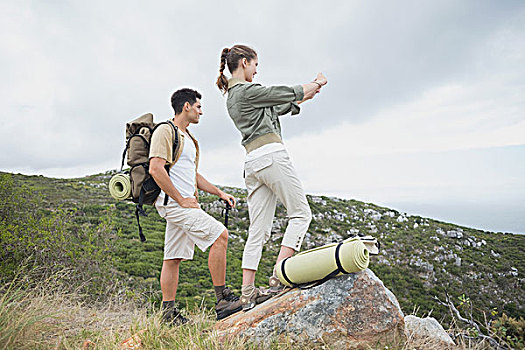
(140, 210)
(175, 136)
(338, 259)
(174, 150)
(175, 141)
(284, 273)
(123, 157)
(166, 197)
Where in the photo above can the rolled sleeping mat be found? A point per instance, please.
(324, 262)
(120, 186)
(371, 244)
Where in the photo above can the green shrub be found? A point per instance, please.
(511, 330)
(36, 244)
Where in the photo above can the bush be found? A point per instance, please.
(36, 244)
(510, 330)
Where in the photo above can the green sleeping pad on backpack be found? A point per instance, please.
(120, 186)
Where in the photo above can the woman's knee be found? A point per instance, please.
(257, 236)
(300, 210)
(308, 214)
(304, 216)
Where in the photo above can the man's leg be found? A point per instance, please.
(208, 233)
(227, 303)
(169, 278)
(217, 259)
(177, 247)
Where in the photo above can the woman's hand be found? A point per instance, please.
(313, 88)
(321, 79)
(309, 95)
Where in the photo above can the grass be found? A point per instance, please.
(26, 319)
(46, 318)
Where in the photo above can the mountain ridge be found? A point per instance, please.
(421, 258)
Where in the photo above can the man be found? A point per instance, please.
(187, 224)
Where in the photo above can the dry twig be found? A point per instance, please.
(455, 313)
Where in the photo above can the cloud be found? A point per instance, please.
(446, 118)
(424, 101)
(74, 73)
(402, 141)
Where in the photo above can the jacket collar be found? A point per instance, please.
(234, 81)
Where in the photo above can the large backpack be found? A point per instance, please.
(144, 189)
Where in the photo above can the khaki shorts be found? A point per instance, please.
(185, 228)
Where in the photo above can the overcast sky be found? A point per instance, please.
(424, 110)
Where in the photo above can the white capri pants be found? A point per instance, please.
(268, 178)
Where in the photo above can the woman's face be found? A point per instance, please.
(250, 69)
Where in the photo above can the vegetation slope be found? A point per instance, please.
(73, 226)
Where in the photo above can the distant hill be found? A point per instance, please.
(421, 258)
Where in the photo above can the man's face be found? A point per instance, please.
(195, 112)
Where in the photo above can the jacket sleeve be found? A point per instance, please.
(260, 96)
(286, 108)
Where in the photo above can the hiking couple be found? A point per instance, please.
(269, 175)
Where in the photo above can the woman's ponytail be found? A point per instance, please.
(222, 82)
(232, 57)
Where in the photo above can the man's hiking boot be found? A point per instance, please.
(172, 316)
(227, 305)
(254, 297)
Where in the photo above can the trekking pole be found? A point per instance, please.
(226, 211)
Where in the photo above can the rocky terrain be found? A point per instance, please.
(355, 311)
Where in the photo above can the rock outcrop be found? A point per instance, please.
(353, 311)
(428, 329)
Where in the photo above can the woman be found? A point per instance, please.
(269, 173)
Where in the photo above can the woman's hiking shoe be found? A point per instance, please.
(254, 297)
(173, 317)
(227, 305)
(276, 286)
